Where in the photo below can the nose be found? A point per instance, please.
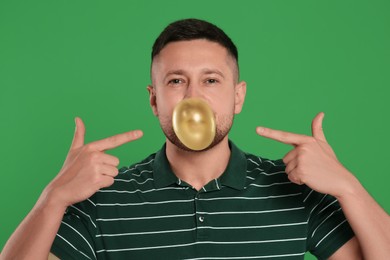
(193, 91)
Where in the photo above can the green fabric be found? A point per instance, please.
(251, 212)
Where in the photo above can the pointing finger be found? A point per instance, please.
(283, 137)
(78, 138)
(316, 127)
(117, 140)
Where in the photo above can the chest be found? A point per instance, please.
(181, 223)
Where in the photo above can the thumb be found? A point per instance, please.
(316, 127)
(78, 138)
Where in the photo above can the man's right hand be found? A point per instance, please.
(87, 168)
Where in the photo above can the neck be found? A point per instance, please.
(198, 168)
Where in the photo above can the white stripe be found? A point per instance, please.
(308, 195)
(91, 202)
(204, 189)
(143, 218)
(246, 257)
(129, 169)
(253, 227)
(316, 206)
(201, 227)
(84, 214)
(319, 225)
(86, 241)
(271, 162)
(202, 242)
(248, 212)
(143, 203)
(146, 233)
(251, 178)
(253, 162)
(216, 182)
(253, 198)
(73, 246)
(139, 175)
(269, 185)
(141, 191)
(328, 206)
(330, 232)
(140, 183)
(265, 173)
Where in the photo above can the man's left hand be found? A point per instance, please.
(312, 161)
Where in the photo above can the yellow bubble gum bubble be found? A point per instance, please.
(194, 123)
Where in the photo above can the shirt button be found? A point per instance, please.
(201, 219)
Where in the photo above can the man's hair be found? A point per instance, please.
(194, 29)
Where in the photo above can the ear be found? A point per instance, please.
(239, 96)
(152, 99)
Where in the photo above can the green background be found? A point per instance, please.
(61, 59)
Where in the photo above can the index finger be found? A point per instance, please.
(282, 136)
(116, 140)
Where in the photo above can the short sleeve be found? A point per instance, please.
(328, 227)
(75, 237)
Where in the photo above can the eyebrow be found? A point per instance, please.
(203, 71)
(212, 71)
(174, 72)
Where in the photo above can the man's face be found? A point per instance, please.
(201, 69)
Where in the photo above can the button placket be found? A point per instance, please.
(200, 218)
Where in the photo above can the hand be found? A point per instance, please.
(87, 168)
(312, 161)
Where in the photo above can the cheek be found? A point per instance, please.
(224, 105)
(166, 103)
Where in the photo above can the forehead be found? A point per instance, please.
(192, 56)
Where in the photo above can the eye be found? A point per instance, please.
(175, 81)
(211, 81)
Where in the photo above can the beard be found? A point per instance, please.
(223, 126)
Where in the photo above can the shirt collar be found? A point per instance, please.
(234, 175)
(162, 172)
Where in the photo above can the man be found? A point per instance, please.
(218, 203)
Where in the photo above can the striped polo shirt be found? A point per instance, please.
(252, 211)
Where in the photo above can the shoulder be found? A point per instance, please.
(261, 165)
(134, 175)
(142, 168)
(271, 173)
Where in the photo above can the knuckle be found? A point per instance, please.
(291, 177)
(284, 160)
(109, 182)
(303, 179)
(302, 148)
(95, 179)
(283, 136)
(94, 156)
(300, 160)
(300, 168)
(113, 139)
(129, 135)
(116, 161)
(88, 147)
(96, 168)
(116, 171)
